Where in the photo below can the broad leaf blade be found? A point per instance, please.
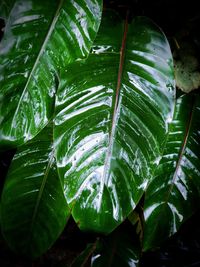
(172, 197)
(110, 124)
(40, 39)
(33, 207)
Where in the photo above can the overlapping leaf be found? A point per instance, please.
(120, 248)
(33, 207)
(84, 258)
(112, 113)
(41, 38)
(173, 195)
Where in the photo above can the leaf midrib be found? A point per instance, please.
(48, 35)
(184, 143)
(114, 119)
(41, 190)
(182, 150)
(178, 164)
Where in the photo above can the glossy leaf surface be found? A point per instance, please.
(172, 195)
(111, 121)
(33, 207)
(41, 38)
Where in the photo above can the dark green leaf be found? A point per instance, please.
(112, 113)
(117, 250)
(41, 38)
(172, 197)
(83, 259)
(120, 248)
(33, 206)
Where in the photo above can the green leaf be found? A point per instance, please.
(172, 197)
(84, 257)
(111, 121)
(120, 248)
(33, 207)
(40, 39)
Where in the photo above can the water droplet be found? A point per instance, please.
(169, 61)
(26, 74)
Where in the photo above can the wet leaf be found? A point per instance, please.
(112, 113)
(33, 207)
(40, 39)
(173, 195)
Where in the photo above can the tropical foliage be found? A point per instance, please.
(88, 100)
